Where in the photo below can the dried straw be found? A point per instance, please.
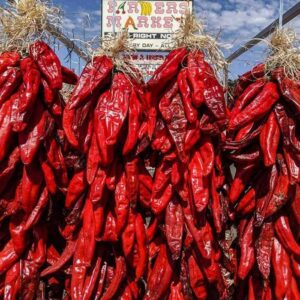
(284, 53)
(25, 21)
(191, 34)
(119, 48)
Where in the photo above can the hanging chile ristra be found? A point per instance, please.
(106, 120)
(33, 165)
(263, 143)
(189, 194)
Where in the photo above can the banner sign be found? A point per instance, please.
(147, 63)
(150, 23)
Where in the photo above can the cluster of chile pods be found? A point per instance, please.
(157, 190)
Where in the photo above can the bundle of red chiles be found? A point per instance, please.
(264, 145)
(33, 170)
(106, 120)
(189, 188)
(82, 217)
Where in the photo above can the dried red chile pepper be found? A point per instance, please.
(32, 164)
(267, 195)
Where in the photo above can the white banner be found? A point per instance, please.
(149, 23)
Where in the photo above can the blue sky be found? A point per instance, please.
(235, 20)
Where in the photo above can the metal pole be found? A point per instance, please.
(68, 43)
(114, 17)
(287, 16)
(280, 13)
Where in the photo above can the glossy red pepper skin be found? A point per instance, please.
(160, 276)
(30, 86)
(9, 82)
(9, 59)
(265, 189)
(293, 165)
(36, 213)
(65, 256)
(8, 168)
(184, 277)
(282, 272)
(246, 79)
(161, 138)
(247, 96)
(122, 202)
(295, 205)
(247, 203)
(216, 204)
(174, 221)
(77, 124)
(48, 176)
(117, 107)
(48, 63)
(192, 136)
(195, 77)
(288, 127)
(120, 272)
(142, 249)
(295, 265)
(92, 276)
(162, 188)
(94, 77)
(285, 235)
(177, 126)
(12, 281)
(280, 195)
(289, 88)
(167, 71)
(145, 186)
(6, 132)
(197, 279)
(131, 170)
(185, 91)
(198, 182)
(101, 131)
(134, 123)
(247, 258)
(93, 160)
(257, 108)
(128, 235)
(202, 236)
(247, 156)
(242, 177)
(57, 162)
(100, 285)
(215, 100)
(263, 247)
(243, 132)
(176, 292)
(164, 104)
(110, 233)
(76, 187)
(269, 140)
(68, 76)
(31, 185)
(18, 233)
(8, 257)
(84, 252)
(32, 137)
